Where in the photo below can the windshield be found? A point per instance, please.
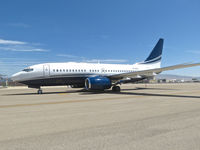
(27, 69)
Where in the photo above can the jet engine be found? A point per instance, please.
(97, 83)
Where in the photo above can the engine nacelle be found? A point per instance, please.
(97, 83)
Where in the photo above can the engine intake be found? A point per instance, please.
(97, 83)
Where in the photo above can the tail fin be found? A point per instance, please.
(156, 54)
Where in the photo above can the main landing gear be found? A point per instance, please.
(116, 89)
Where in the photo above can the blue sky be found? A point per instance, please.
(112, 31)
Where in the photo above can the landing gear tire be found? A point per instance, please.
(116, 89)
(39, 91)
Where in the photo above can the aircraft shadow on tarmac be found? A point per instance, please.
(123, 92)
(46, 93)
(146, 88)
(158, 95)
(83, 91)
(141, 94)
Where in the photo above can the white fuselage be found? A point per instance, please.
(72, 69)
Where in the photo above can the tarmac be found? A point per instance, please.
(140, 117)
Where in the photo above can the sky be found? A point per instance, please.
(109, 31)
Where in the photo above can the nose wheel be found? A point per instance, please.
(116, 89)
(39, 91)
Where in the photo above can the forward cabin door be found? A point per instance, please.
(46, 70)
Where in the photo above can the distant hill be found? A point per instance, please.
(177, 77)
(10, 82)
(2, 80)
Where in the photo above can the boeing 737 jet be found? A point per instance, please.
(94, 76)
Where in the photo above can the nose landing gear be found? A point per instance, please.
(36, 87)
(39, 91)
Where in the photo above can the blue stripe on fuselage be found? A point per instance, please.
(153, 61)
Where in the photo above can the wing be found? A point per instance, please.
(152, 72)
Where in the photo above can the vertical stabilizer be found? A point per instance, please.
(154, 59)
(156, 53)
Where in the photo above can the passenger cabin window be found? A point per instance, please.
(28, 69)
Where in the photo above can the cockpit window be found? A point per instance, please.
(28, 69)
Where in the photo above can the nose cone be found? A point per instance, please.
(16, 77)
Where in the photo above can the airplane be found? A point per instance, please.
(94, 76)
